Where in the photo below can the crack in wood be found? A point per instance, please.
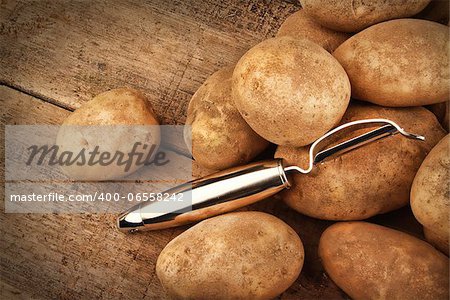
(36, 95)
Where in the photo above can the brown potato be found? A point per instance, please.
(430, 195)
(438, 240)
(299, 25)
(371, 180)
(290, 91)
(243, 255)
(398, 63)
(219, 136)
(120, 108)
(369, 261)
(352, 16)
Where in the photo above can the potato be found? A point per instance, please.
(290, 91)
(352, 16)
(122, 107)
(398, 63)
(441, 111)
(430, 195)
(219, 136)
(438, 240)
(243, 255)
(371, 180)
(299, 25)
(369, 261)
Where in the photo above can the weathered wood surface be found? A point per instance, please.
(68, 51)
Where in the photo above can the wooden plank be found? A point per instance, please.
(68, 51)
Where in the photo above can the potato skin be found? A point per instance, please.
(243, 255)
(121, 106)
(290, 91)
(219, 136)
(382, 72)
(438, 240)
(369, 261)
(352, 16)
(430, 195)
(368, 181)
(299, 25)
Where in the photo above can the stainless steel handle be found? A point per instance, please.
(214, 194)
(234, 188)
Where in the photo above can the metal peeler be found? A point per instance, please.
(230, 189)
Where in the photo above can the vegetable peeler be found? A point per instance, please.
(230, 189)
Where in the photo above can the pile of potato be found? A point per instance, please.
(330, 63)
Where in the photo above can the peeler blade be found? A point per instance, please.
(318, 154)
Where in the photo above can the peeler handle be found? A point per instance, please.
(214, 194)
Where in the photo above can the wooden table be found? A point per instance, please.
(56, 55)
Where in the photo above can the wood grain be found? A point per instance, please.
(68, 51)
